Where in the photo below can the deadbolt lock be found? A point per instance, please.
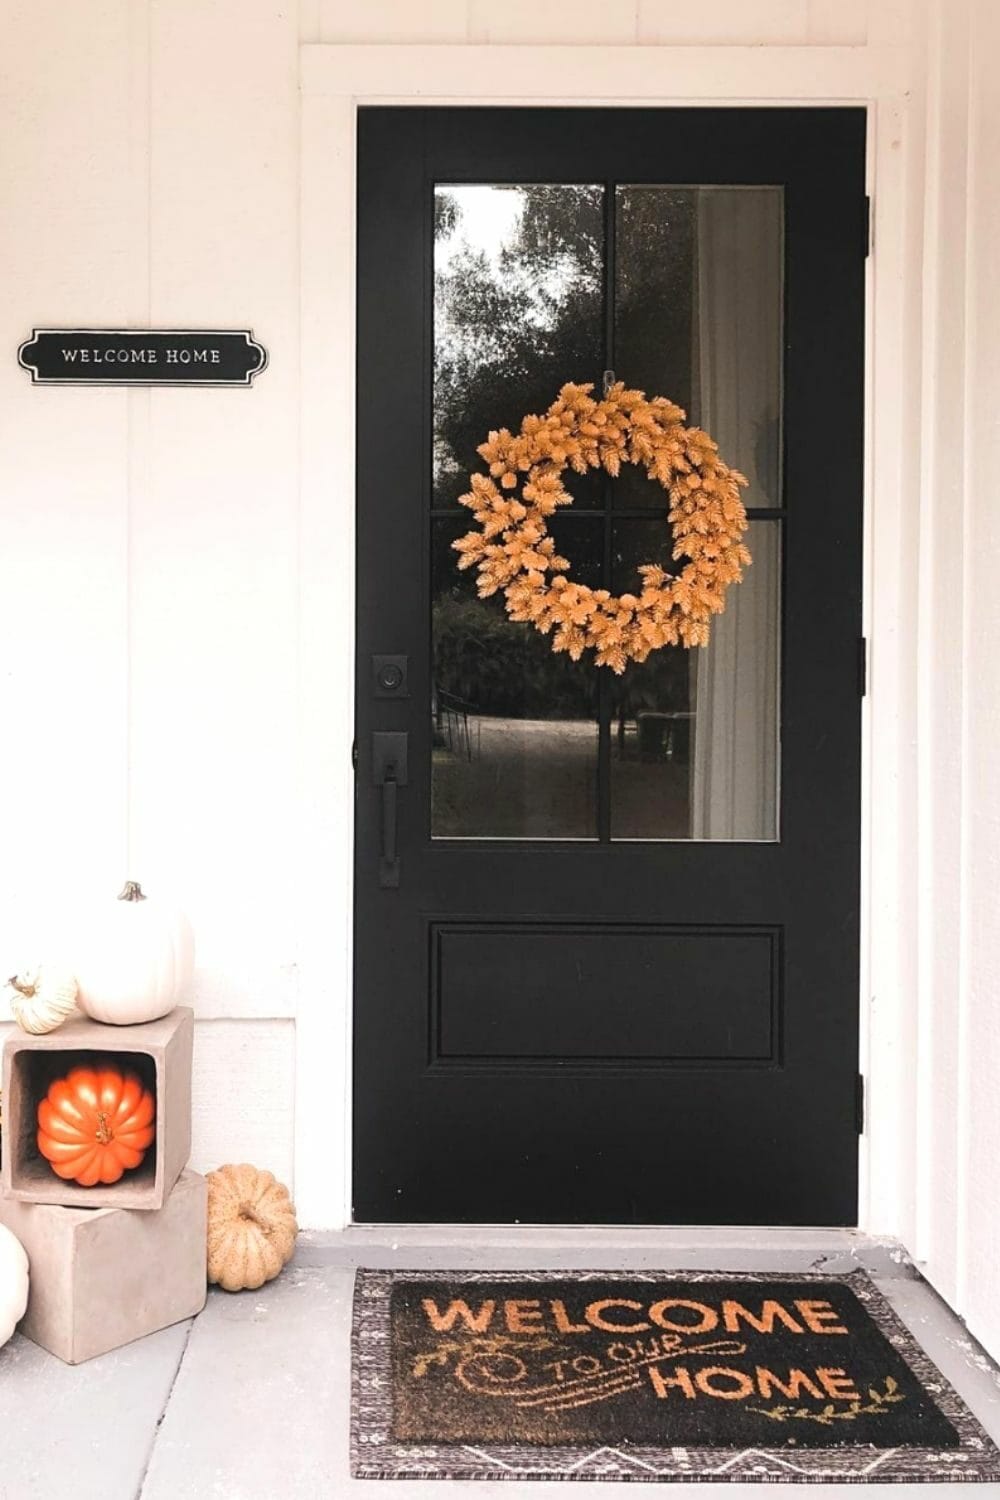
(389, 676)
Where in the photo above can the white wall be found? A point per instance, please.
(564, 22)
(953, 1217)
(149, 604)
(149, 607)
(148, 629)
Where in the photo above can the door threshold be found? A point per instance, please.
(606, 1247)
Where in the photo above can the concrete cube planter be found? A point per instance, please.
(159, 1051)
(103, 1277)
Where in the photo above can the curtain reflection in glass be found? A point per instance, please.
(694, 746)
(735, 759)
(698, 318)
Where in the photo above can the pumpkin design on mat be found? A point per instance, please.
(96, 1124)
(251, 1227)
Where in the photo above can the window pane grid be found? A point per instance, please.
(677, 290)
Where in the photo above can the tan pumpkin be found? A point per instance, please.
(251, 1227)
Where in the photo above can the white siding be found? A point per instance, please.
(153, 673)
(67, 199)
(780, 23)
(149, 539)
(149, 613)
(244, 1091)
(979, 1139)
(393, 21)
(568, 22)
(958, 1116)
(214, 516)
(558, 22)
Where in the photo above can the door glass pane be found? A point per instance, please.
(514, 725)
(694, 734)
(689, 748)
(698, 318)
(518, 311)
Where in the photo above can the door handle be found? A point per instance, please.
(388, 870)
(389, 771)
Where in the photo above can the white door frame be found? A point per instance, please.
(335, 80)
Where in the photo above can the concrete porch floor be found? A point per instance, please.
(250, 1400)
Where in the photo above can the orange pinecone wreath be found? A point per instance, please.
(514, 552)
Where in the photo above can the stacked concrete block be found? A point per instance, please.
(111, 1263)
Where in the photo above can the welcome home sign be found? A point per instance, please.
(148, 356)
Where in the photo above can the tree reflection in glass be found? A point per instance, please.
(518, 310)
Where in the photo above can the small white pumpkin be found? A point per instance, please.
(13, 1283)
(135, 960)
(40, 999)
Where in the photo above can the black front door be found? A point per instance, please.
(606, 962)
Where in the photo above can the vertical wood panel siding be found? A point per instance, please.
(979, 1030)
(152, 664)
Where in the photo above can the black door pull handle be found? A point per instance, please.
(389, 772)
(388, 871)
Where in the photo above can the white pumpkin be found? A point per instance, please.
(135, 960)
(13, 1283)
(41, 998)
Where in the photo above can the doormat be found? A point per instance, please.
(648, 1376)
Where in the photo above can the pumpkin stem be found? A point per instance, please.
(247, 1211)
(104, 1134)
(17, 983)
(133, 892)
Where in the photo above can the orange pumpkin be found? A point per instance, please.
(96, 1124)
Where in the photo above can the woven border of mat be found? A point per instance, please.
(376, 1455)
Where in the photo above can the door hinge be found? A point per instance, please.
(862, 666)
(354, 755)
(859, 1104)
(867, 218)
